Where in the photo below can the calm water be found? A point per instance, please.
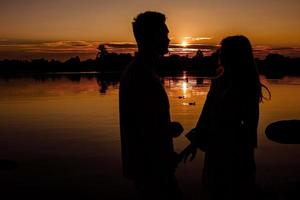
(64, 134)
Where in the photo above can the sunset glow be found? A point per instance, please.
(38, 25)
(184, 43)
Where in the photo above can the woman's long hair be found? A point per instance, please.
(240, 70)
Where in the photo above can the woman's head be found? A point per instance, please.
(240, 71)
(236, 56)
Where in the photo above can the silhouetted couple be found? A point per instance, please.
(226, 130)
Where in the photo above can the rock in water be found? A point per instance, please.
(284, 131)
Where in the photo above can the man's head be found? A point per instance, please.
(151, 32)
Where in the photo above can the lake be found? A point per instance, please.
(63, 131)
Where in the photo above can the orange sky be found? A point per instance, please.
(30, 22)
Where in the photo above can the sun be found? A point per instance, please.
(184, 43)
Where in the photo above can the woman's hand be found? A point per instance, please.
(190, 150)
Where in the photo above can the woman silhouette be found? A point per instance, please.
(227, 127)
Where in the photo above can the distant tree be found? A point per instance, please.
(39, 65)
(199, 54)
(73, 61)
(102, 52)
(275, 66)
(73, 64)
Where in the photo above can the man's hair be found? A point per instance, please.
(145, 24)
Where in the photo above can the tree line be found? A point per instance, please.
(273, 66)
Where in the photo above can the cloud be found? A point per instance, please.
(63, 49)
(120, 45)
(202, 46)
(68, 44)
(22, 49)
(48, 47)
(193, 39)
(281, 48)
(195, 46)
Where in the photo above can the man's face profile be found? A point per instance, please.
(163, 40)
(158, 40)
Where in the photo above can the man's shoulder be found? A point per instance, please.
(135, 71)
(131, 68)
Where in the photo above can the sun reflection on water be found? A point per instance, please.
(184, 87)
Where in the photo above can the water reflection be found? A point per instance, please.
(103, 86)
(46, 121)
(184, 87)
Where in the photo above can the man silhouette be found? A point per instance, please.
(146, 130)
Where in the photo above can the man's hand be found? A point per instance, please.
(175, 129)
(190, 150)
